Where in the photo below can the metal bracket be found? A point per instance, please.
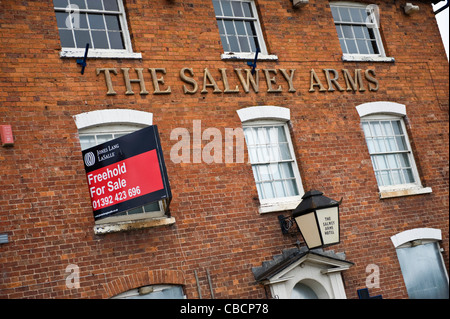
(82, 62)
(286, 224)
(253, 65)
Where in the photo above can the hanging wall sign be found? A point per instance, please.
(126, 173)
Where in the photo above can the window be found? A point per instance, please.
(423, 271)
(100, 134)
(357, 26)
(421, 263)
(153, 292)
(239, 29)
(271, 155)
(100, 126)
(389, 149)
(272, 160)
(101, 23)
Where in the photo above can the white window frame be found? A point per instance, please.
(120, 121)
(271, 115)
(263, 55)
(372, 24)
(67, 52)
(393, 111)
(420, 236)
(408, 151)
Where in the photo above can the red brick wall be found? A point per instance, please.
(44, 199)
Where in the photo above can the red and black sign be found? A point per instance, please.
(126, 173)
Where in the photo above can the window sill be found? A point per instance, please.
(280, 205)
(391, 193)
(365, 58)
(103, 229)
(248, 56)
(99, 54)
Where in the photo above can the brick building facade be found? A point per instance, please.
(357, 101)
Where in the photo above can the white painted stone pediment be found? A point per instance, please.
(317, 270)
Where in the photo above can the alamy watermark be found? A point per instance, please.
(373, 277)
(73, 19)
(193, 150)
(73, 276)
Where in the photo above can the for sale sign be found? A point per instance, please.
(126, 172)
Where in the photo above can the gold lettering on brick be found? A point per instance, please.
(271, 80)
(157, 81)
(219, 80)
(109, 85)
(207, 77)
(139, 80)
(225, 82)
(189, 80)
(289, 79)
(254, 81)
(373, 83)
(352, 84)
(332, 81)
(315, 81)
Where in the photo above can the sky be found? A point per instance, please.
(443, 22)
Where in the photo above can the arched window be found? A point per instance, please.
(421, 262)
(100, 126)
(358, 29)
(153, 292)
(240, 29)
(272, 157)
(102, 24)
(389, 148)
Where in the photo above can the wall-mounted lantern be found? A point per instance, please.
(317, 218)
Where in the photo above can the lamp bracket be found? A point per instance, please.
(287, 224)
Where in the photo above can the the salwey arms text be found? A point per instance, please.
(277, 80)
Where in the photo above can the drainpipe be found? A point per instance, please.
(198, 285)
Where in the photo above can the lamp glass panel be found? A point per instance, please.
(308, 228)
(329, 224)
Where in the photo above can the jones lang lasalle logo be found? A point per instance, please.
(89, 159)
(102, 154)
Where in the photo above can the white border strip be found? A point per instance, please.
(381, 107)
(417, 233)
(267, 112)
(114, 116)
